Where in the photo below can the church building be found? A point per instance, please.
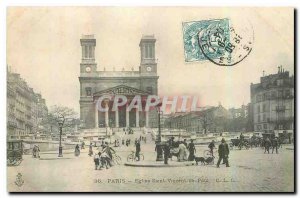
(94, 84)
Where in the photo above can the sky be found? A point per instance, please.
(43, 45)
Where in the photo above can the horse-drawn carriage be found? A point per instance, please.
(240, 144)
(14, 152)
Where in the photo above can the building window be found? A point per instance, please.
(258, 98)
(258, 127)
(273, 94)
(151, 51)
(264, 107)
(287, 93)
(86, 50)
(280, 93)
(279, 82)
(149, 90)
(258, 108)
(265, 126)
(258, 118)
(88, 91)
(264, 118)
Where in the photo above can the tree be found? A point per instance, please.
(205, 121)
(69, 115)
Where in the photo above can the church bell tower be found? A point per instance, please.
(148, 64)
(88, 64)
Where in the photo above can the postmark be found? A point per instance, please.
(220, 41)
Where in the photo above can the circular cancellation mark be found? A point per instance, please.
(226, 44)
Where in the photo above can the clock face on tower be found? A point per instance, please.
(88, 69)
(149, 68)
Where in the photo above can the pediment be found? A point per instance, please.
(121, 90)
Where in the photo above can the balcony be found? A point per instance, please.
(283, 119)
(280, 109)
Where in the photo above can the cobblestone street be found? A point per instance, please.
(251, 170)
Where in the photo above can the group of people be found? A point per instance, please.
(117, 143)
(186, 152)
(127, 142)
(181, 149)
(104, 157)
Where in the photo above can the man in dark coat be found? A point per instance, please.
(211, 147)
(192, 151)
(185, 143)
(137, 150)
(275, 145)
(267, 145)
(166, 153)
(223, 153)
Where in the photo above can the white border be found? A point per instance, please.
(5, 3)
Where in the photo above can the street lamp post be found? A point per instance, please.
(61, 120)
(159, 146)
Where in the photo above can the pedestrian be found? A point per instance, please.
(275, 145)
(108, 150)
(241, 144)
(182, 152)
(123, 141)
(37, 151)
(185, 143)
(97, 160)
(34, 151)
(192, 151)
(77, 150)
(104, 159)
(137, 150)
(211, 147)
(159, 150)
(166, 153)
(267, 145)
(82, 145)
(223, 153)
(171, 142)
(90, 150)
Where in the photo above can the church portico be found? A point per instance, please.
(123, 116)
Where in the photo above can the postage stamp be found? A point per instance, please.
(192, 48)
(218, 41)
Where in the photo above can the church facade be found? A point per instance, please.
(94, 84)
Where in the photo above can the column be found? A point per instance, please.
(147, 119)
(137, 118)
(127, 116)
(117, 117)
(106, 114)
(96, 116)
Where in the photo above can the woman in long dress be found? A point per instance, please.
(182, 152)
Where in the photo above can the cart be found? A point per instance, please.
(14, 152)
